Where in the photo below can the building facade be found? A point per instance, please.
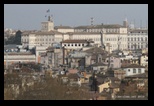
(137, 39)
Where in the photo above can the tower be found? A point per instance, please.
(48, 25)
(125, 23)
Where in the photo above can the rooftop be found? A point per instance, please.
(133, 66)
(138, 31)
(99, 26)
(143, 75)
(96, 50)
(63, 27)
(99, 64)
(52, 32)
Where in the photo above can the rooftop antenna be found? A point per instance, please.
(141, 24)
(134, 23)
(92, 20)
(146, 24)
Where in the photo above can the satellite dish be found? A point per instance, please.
(62, 72)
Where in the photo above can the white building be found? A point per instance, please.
(46, 37)
(137, 39)
(111, 34)
(10, 58)
(133, 69)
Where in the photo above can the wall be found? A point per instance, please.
(102, 86)
(65, 30)
(128, 73)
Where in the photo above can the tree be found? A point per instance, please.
(52, 89)
(17, 39)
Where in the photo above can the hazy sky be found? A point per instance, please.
(30, 16)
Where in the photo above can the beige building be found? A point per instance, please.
(64, 29)
(11, 58)
(113, 36)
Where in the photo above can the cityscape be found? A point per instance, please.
(104, 61)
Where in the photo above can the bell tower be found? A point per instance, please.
(48, 25)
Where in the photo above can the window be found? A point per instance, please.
(139, 70)
(146, 39)
(138, 39)
(128, 39)
(64, 44)
(68, 44)
(72, 44)
(134, 39)
(141, 39)
(79, 44)
(131, 39)
(134, 70)
(75, 44)
(82, 44)
(129, 70)
(111, 65)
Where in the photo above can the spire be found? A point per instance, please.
(126, 19)
(125, 22)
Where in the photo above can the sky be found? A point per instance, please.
(30, 16)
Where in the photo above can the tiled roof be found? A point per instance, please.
(99, 64)
(96, 50)
(133, 66)
(143, 75)
(52, 32)
(50, 48)
(48, 33)
(99, 26)
(138, 31)
(63, 27)
(73, 76)
(114, 85)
